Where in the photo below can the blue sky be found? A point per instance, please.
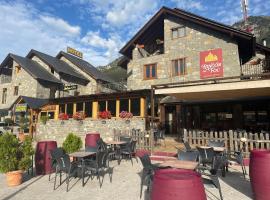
(98, 28)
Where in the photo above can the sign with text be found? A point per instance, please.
(22, 107)
(74, 52)
(211, 65)
(70, 87)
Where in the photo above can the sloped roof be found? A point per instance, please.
(164, 12)
(33, 103)
(32, 67)
(58, 65)
(85, 66)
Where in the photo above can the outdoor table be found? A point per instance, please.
(180, 164)
(81, 155)
(216, 149)
(116, 142)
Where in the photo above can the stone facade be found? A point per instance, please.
(58, 130)
(28, 86)
(196, 40)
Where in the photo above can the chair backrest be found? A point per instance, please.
(146, 161)
(213, 143)
(56, 153)
(187, 146)
(188, 155)
(101, 145)
(125, 138)
(206, 154)
(161, 134)
(133, 146)
(101, 159)
(63, 162)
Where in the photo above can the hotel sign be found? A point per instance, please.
(70, 87)
(211, 65)
(74, 52)
(21, 107)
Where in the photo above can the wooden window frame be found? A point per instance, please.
(179, 71)
(144, 71)
(4, 97)
(16, 90)
(177, 28)
(18, 69)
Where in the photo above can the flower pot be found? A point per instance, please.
(21, 137)
(14, 178)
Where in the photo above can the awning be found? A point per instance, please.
(3, 112)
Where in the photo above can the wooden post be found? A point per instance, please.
(231, 140)
(95, 109)
(142, 106)
(117, 107)
(152, 106)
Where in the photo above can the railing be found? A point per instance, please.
(145, 139)
(256, 68)
(110, 87)
(233, 139)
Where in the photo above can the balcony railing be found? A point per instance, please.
(256, 68)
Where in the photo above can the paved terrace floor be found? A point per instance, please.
(125, 186)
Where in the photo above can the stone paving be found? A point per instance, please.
(125, 186)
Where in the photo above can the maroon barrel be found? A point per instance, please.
(259, 174)
(176, 184)
(43, 158)
(91, 139)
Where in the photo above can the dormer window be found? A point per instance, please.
(178, 32)
(17, 69)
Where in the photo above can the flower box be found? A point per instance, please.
(105, 115)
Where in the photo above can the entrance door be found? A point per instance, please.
(170, 120)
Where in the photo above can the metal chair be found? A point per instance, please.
(69, 168)
(129, 151)
(188, 147)
(147, 172)
(55, 154)
(210, 164)
(160, 135)
(98, 166)
(187, 155)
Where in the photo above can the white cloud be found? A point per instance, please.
(58, 24)
(189, 4)
(24, 28)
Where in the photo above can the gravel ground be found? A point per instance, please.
(125, 186)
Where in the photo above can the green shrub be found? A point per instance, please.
(72, 143)
(44, 119)
(13, 154)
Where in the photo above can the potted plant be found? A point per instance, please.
(23, 124)
(15, 157)
(126, 115)
(104, 115)
(79, 116)
(44, 119)
(72, 143)
(63, 116)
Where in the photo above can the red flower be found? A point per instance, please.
(105, 114)
(125, 114)
(63, 116)
(79, 116)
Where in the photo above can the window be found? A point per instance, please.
(88, 109)
(70, 109)
(4, 96)
(179, 67)
(124, 105)
(16, 90)
(101, 106)
(112, 107)
(150, 71)
(79, 107)
(135, 106)
(62, 108)
(17, 69)
(178, 32)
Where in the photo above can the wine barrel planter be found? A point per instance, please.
(91, 139)
(259, 173)
(43, 157)
(177, 184)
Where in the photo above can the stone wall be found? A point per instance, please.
(58, 130)
(197, 39)
(26, 83)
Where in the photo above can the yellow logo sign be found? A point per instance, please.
(210, 58)
(74, 52)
